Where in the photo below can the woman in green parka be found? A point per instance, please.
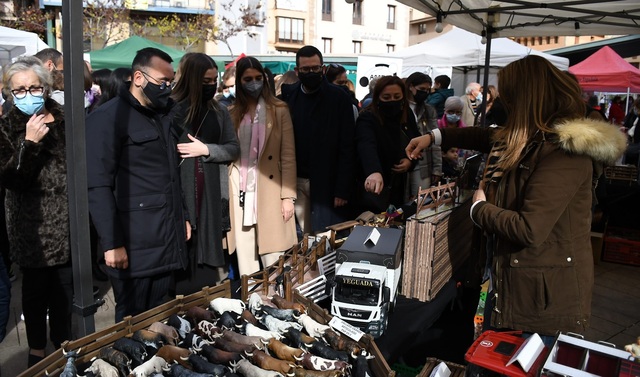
(534, 204)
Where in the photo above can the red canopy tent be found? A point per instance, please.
(606, 71)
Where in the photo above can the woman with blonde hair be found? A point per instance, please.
(263, 178)
(534, 203)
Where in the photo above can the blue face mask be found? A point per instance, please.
(479, 97)
(30, 104)
(453, 118)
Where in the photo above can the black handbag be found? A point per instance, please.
(376, 203)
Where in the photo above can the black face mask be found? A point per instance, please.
(421, 96)
(159, 97)
(208, 92)
(390, 109)
(311, 80)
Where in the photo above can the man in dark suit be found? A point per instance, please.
(135, 198)
(323, 125)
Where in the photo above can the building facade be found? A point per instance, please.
(337, 27)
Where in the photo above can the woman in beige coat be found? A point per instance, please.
(263, 180)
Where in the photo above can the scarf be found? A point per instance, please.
(251, 134)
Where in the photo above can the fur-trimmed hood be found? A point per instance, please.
(602, 141)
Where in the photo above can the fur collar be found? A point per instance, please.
(601, 141)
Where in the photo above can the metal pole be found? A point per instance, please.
(83, 304)
(485, 82)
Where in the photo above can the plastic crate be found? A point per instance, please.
(403, 370)
(623, 173)
(622, 245)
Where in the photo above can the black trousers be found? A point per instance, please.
(47, 288)
(135, 296)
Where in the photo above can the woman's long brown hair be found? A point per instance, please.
(536, 95)
(192, 69)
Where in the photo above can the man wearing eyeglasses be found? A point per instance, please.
(51, 59)
(135, 198)
(323, 125)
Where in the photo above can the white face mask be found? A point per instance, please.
(232, 90)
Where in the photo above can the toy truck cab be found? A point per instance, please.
(361, 296)
(367, 275)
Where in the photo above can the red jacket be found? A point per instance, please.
(616, 114)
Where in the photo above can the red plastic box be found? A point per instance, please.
(493, 350)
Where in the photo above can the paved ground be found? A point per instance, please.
(14, 348)
(616, 315)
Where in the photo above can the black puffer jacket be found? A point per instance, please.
(35, 177)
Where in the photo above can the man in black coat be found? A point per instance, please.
(135, 199)
(323, 125)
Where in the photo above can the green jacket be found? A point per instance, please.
(540, 223)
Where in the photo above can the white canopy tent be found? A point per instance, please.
(522, 18)
(460, 48)
(457, 53)
(14, 43)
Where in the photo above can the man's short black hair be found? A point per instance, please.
(443, 80)
(49, 54)
(308, 52)
(144, 56)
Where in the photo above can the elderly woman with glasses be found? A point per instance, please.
(33, 171)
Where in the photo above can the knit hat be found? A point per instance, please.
(453, 103)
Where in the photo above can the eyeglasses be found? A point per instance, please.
(314, 69)
(163, 83)
(36, 91)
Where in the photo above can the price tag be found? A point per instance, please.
(345, 328)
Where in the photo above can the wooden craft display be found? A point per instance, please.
(437, 242)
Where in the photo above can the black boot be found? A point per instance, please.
(33, 360)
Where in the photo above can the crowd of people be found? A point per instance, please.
(194, 179)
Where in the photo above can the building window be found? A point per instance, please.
(357, 12)
(290, 30)
(539, 41)
(548, 40)
(326, 10)
(555, 39)
(391, 48)
(326, 45)
(357, 47)
(391, 17)
(422, 28)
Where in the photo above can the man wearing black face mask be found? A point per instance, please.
(323, 125)
(135, 199)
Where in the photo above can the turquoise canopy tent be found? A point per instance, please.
(122, 54)
(280, 67)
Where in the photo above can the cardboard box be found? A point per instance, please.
(362, 246)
